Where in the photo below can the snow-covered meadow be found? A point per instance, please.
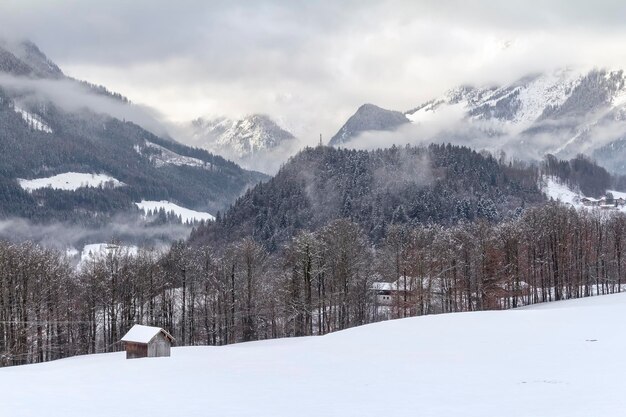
(187, 215)
(69, 181)
(549, 360)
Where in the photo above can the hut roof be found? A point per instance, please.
(144, 334)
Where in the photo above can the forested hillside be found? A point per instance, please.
(93, 143)
(439, 184)
(582, 174)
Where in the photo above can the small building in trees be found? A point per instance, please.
(147, 342)
(590, 202)
(392, 293)
(383, 292)
(603, 202)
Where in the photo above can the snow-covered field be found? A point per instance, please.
(186, 214)
(70, 181)
(560, 359)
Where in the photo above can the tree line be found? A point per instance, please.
(319, 282)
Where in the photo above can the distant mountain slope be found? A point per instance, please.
(252, 141)
(243, 137)
(613, 155)
(439, 184)
(514, 106)
(367, 118)
(563, 112)
(42, 138)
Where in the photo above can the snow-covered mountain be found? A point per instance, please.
(514, 107)
(249, 140)
(368, 117)
(557, 359)
(563, 112)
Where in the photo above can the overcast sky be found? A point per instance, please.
(310, 64)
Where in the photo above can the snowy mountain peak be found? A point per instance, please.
(239, 138)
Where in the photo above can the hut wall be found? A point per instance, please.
(159, 346)
(136, 350)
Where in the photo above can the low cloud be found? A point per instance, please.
(409, 168)
(126, 229)
(72, 97)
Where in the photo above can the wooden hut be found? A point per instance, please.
(147, 342)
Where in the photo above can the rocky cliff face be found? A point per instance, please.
(367, 118)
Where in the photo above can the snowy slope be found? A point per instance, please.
(70, 181)
(255, 142)
(94, 251)
(517, 106)
(98, 251)
(556, 190)
(186, 214)
(514, 106)
(556, 360)
(34, 121)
